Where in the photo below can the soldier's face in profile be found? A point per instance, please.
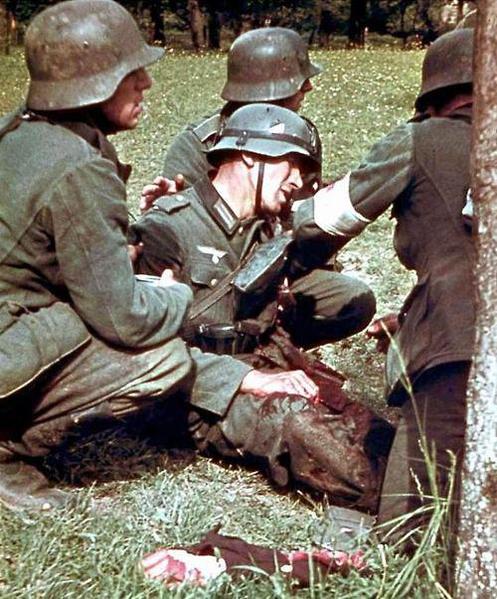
(282, 177)
(295, 102)
(124, 108)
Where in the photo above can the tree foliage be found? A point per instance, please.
(377, 15)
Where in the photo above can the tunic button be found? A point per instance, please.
(240, 230)
(213, 282)
(179, 198)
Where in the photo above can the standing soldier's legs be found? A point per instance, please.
(438, 415)
(96, 381)
(330, 306)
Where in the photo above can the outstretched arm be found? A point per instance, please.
(341, 211)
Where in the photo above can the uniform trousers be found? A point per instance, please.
(292, 438)
(329, 306)
(437, 415)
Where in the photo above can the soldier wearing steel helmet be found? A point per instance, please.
(270, 64)
(330, 305)
(421, 171)
(259, 161)
(80, 336)
(205, 233)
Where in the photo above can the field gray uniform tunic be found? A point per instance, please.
(197, 232)
(76, 328)
(421, 170)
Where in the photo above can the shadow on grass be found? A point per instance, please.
(102, 451)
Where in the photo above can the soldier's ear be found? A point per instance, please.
(248, 159)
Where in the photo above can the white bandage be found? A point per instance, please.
(334, 213)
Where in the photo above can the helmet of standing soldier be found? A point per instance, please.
(448, 62)
(267, 64)
(267, 130)
(79, 51)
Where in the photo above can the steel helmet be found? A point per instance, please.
(268, 130)
(79, 51)
(267, 64)
(448, 62)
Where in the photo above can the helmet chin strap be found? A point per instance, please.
(258, 189)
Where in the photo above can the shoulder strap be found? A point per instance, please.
(208, 128)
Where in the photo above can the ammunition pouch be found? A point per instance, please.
(31, 342)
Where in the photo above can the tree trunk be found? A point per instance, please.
(237, 11)
(477, 563)
(213, 24)
(196, 23)
(325, 27)
(429, 28)
(6, 26)
(357, 22)
(159, 34)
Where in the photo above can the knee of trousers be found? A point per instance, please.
(327, 455)
(173, 366)
(157, 373)
(349, 305)
(305, 443)
(109, 383)
(360, 306)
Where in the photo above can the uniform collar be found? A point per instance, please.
(217, 207)
(85, 128)
(463, 113)
(226, 219)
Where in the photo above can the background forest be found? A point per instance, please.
(207, 21)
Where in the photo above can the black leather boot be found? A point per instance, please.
(23, 486)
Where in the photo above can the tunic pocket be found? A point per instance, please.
(205, 273)
(206, 278)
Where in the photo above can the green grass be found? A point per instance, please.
(149, 499)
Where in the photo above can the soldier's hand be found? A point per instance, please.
(382, 329)
(294, 382)
(134, 251)
(167, 278)
(160, 186)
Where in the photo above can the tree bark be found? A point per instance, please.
(6, 26)
(477, 563)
